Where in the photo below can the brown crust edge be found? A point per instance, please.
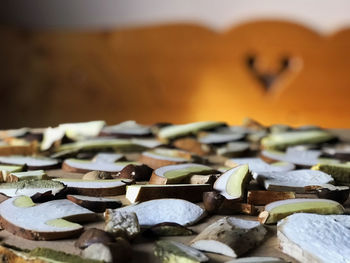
(33, 235)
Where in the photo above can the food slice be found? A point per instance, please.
(106, 187)
(315, 238)
(340, 172)
(168, 229)
(33, 163)
(280, 141)
(258, 197)
(11, 168)
(30, 175)
(179, 173)
(280, 209)
(189, 192)
(161, 157)
(233, 149)
(215, 203)
(106, 157)
(103, 144)
(136, 172)
(257, 260)
(296, 181)
(118, 251)
(175, 131)
(82, 130)
(170, 251)
(127, 129)
(96, 204)
(82, 166)
(46, 221)
(233, 183)
(39, 255)
(92, 236)
(192, 145)
(121, 223)
(166, 210)
(18, 147)
(31, 188)
(303, 158)
(230, 236)
(219, 138)
(258, 166)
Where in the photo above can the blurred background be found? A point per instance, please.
(175, 61)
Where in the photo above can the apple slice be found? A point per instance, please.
(31, 188)
(280, 141)
(175, 131)
(83, 166)
(158, 211)
(296, 181)
(108, 187)
(33, 163)
(21, 217)
(233, 183)
(315, 238)
(280, 209)
(189, 192)
(172, 251)
(96, 204)
(161, 157)
(178, 173)
(230, 236)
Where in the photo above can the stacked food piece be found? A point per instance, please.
(192, 190)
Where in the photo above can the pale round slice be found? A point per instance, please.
(22, 217)
(83, 166)
(158, 211)
(108, 187)
(33, 163)
(295, 181)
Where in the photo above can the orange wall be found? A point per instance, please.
(175, 73)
